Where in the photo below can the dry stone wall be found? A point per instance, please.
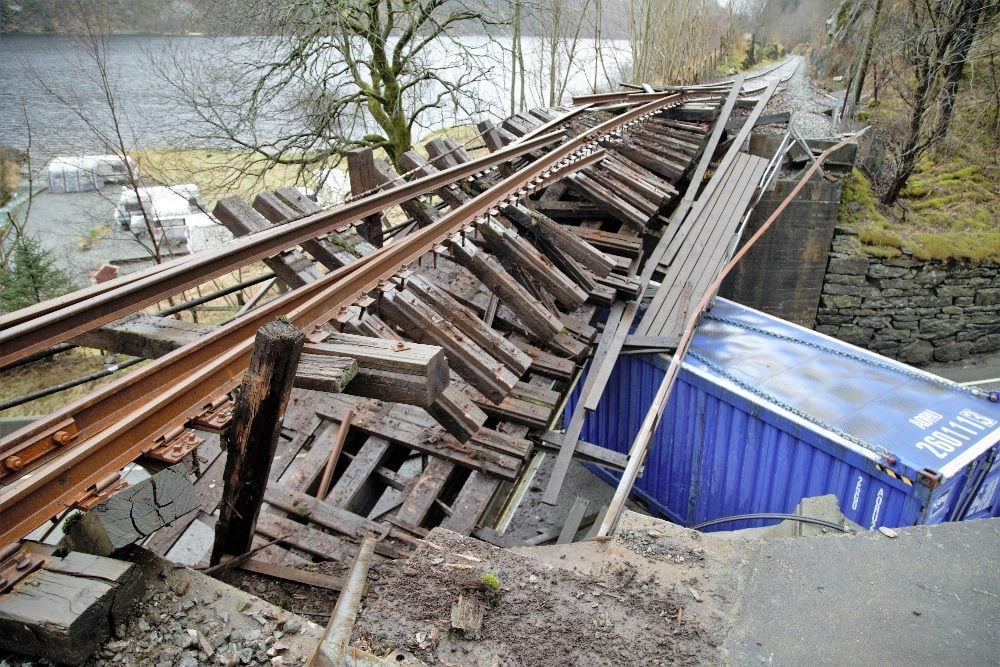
(912, 310)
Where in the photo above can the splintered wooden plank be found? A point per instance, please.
(143, 335)
(422, 494)
(538, 320)
(322, 372)
(568, 211)
(327, 515)
(305, 470)
(518, 411)
(606, 354)
(556, 234)
(616, 243)
(354, 488)
(545, 363)
(276, 210)
(573, 519)
(585, 451)
(241, 219)
(471, 325)
(508, 244)
(609, 201)
(415, 429)
(472, 501)
(472, 362)
(305, 538)
(626, 189)
(389, 369)
(577, 273)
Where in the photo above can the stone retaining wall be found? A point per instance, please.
(912, 310)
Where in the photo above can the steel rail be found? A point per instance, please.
(36, 328)
(115, 425)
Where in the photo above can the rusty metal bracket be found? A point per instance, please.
(16, 563)
(216, 415)
(56, 436)
(174, 445)
(98, 493)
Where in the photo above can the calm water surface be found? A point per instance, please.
(140, 66)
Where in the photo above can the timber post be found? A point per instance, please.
(252, 436)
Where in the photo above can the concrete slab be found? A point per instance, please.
(929, 596)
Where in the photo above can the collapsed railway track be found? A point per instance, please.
(514, 339)
(55, 462)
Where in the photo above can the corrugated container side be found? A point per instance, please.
(718, 454)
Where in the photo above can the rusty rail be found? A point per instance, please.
(63, 455)
(38, 327)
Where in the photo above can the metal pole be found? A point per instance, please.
(640, 445)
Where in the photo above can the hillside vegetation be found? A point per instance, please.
(948, 162)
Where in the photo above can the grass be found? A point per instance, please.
(218, 173)
(224, 173)
(61, 368)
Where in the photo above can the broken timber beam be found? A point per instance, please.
(252, 436)
(389, 370)
(537, 319)
(472, 362)
(134, 513)
(65, 611)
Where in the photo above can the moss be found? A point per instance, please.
(71, 521)
(882, 252)
(858, 206)
(491, 582)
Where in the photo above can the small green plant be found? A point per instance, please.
(491, 582)
(71, 521)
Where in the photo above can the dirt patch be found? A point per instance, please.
(611, 613)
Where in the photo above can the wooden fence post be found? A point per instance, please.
(252, 435)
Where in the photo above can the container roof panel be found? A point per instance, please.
(880, 405)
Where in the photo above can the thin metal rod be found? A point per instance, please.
(55, 389)
(640, 445)
(333, 649)
(331, 461)
(771, 515)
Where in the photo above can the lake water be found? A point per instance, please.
(140, 66)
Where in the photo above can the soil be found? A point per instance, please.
(642, 599)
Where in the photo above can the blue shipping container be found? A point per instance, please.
(765, 413)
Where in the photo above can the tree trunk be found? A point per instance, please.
(853, 97)
(966, 35)
(908, 156)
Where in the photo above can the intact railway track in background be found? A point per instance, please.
(513, 339)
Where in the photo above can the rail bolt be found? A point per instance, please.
(14, 463)
(62, 437)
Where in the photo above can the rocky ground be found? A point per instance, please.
(187, 619)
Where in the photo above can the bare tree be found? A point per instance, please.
(108, 122)
(343, 74)
(936, 31)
